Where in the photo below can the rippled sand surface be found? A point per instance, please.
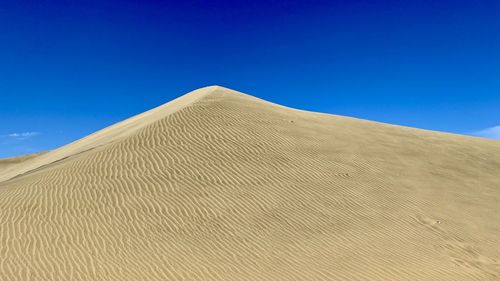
(219, 185)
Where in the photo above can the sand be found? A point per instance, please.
(219, 185)
(6, 162)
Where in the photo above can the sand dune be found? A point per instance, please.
(219, 185)
(4, 163)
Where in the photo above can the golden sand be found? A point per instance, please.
(219, 185)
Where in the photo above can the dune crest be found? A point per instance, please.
(220, 185)
(109, 134)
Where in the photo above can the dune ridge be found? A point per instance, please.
(109, 134)
(220, 185)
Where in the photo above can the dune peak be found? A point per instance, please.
(220, 185)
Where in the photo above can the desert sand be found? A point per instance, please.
(220, 185)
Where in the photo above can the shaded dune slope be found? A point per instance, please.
(219, 185)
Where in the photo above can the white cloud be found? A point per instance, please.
(491, 133)
(22, 136)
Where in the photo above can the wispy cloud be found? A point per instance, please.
(22, 136)
(491, 133)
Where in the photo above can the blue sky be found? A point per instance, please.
(69, 68)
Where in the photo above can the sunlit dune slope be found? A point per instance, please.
(6, 162)
(219, 185)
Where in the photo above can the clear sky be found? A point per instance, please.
(69, 68)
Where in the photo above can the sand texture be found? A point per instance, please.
(219, 185)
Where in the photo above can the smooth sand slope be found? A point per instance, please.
(219, 185)
(6, 162)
